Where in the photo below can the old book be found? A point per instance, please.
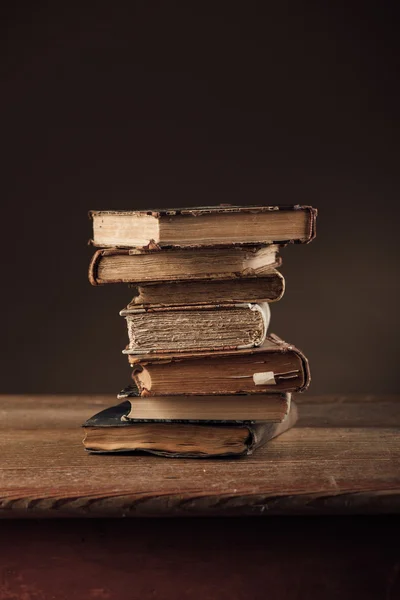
(273, 367)
(201, 327)
(140, 266)
(111, 431)
(269, 287)
(203, 226)
(256, 407)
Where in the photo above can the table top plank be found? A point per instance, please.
(343, 456)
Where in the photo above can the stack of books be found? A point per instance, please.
(208, 377)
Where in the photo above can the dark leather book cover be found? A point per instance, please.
(257, 433)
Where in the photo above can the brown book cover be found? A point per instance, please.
(269, 287)
(118, 265)
(110, 431)
(276, 366)
(196, 327)
(203, 226)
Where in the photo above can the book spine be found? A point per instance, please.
(312, 224)
(93, 267)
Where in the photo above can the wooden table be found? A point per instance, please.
(342, 457)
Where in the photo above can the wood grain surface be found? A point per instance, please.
(343, 456)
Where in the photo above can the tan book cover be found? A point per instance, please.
(203, 226)
(196, 328)
(250, 407)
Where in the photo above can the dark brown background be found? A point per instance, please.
(174, 104)
(169, 104)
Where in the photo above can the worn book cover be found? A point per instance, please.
(272, 407)
(196, 328)
(275, 366)
(116, 265)
(203, 226)
(268, 287)
(112, 431)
